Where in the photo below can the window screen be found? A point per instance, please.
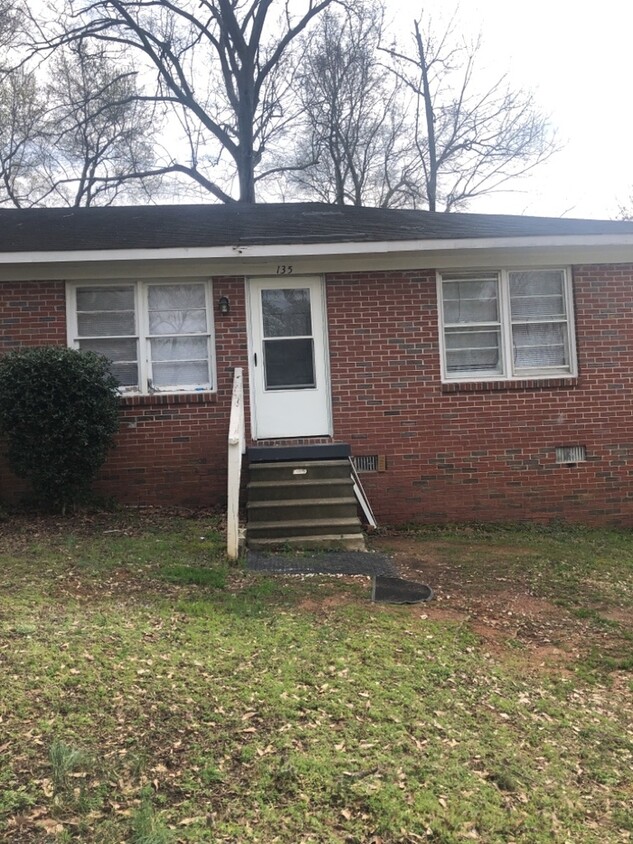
(157, 336)
(506, 324)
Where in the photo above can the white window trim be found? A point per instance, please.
(142, 328)
(505, 320)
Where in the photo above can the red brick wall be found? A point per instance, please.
(173, 449)
(483, 452)
(31, 314)
(477, 452)
(170, 449)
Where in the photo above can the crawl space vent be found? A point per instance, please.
(370, 463)
(569, 454)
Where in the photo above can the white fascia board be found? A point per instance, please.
(294, 250)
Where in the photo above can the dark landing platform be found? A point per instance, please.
(271, 453)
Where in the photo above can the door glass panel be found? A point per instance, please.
(286, 313)
(289, 364)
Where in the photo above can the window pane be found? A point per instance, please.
(472, 351)
(193, 373)
(177, 309)
(180, 361)
(539, 344)
(105, 311)
(470, 301)
(180, 349)
(165, 297)
(106, 324)
(121, 354)
(125, 373)
(537, 293)
(114, 350)
(289, 363)
(105, 299)
(178, 322)
(286, 313)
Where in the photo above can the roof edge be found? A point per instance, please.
(315, 249)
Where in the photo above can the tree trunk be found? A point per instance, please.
(245, 129)
(246, 173)
(431, 182)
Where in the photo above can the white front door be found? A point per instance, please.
(289, 365)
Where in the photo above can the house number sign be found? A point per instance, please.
(285, 269)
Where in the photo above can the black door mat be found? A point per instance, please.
(395, 590)
(325, 562)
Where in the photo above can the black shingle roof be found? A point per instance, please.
(169, 226)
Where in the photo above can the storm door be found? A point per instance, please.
(289, 368)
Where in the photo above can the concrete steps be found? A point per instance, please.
(303, 504)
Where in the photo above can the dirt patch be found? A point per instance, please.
(437, 613)
(499, 607)
(327, 603)
(621, 616)
(483, 586)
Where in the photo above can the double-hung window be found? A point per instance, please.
(506, 324)
(157, 334)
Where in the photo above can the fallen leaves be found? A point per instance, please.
(245, 715)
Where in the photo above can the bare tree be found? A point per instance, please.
(218, 63)
(75, 139)
(100, 134)
(9, 23)
(469, 140)
(23, 117)
(355, 147)
(23, 109)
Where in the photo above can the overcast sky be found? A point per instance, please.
(577, 58)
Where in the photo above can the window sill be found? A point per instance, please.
(562, 382)
(162, 399)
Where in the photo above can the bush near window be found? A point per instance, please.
(59, 411)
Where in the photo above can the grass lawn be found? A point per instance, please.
(150, 694)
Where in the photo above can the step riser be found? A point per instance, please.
(289, 472)
(278, 532)
(299, 511)
(299, 490)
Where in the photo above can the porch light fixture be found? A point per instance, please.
(224, 306)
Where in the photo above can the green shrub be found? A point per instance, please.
(59, 412)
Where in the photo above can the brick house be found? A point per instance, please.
(478, 367)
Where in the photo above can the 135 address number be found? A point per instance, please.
(285, 269)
